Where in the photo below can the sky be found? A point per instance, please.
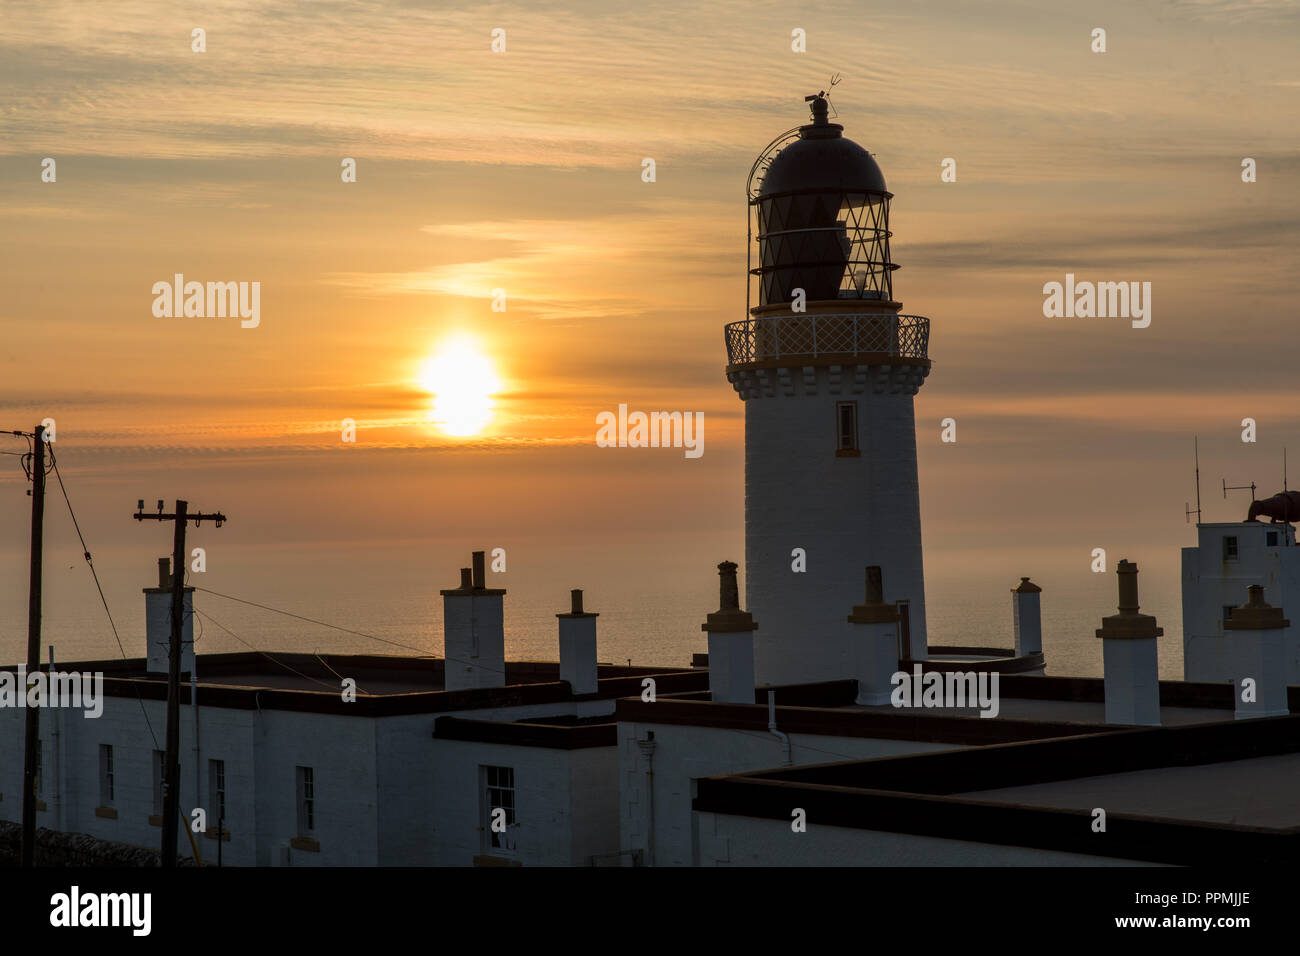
(521, 171)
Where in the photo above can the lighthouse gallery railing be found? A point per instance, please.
(792, 336)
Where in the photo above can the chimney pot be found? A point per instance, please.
(578, 647)
(729, 590)
(479, 574)
(1129, 657)
(1128, 586)
(730, 643)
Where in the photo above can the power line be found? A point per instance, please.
(347, 630)
(264, 653)
(332, 670)
(90, 562)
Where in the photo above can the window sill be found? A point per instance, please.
(848, 453)
(211, 834)
(305, 843)
(155, 820)
(495, 861)
(108, 813)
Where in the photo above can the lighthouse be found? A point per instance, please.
(827, 367)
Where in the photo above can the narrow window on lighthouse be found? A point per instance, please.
(846, 420)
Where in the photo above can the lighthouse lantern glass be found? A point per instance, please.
(832, 244)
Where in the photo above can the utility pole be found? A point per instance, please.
(32, 742)
(171, 766)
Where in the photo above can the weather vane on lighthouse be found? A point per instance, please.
(824, 94)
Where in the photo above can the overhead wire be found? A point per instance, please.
(98, 587)
(423, 651)
(314, 680)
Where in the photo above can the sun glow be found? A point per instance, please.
(463, 381)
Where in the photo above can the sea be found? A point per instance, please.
(383, 599)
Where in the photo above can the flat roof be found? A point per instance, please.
(1213, 792)
(1180, 795)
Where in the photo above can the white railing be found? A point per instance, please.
(791, 336)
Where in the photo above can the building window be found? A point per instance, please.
(846, 428)
(499, 794)
(306, 801)
(1229, 547)
(217, 788)
(1270, 538)
(105, 775)
(1227, 613)
(159, 779)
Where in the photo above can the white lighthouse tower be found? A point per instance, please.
(827, 367)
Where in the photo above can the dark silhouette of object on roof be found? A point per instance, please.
(1284, 506)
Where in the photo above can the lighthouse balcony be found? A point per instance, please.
(829, 339)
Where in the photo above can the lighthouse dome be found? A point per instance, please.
(822, 158)
(823, 219)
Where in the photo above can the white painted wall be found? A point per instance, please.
(683, 754)
(1210, 583)
(565, 803)
(375, 778)
(158, 630)
(1132, 682)
(473, 640)
(846, 513)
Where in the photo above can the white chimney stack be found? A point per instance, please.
(1129, 657)
(578, 646)
(731, 643)
(877, 647)
(473, 632)
(158, 623)
(1026, 618)
(1257, 651)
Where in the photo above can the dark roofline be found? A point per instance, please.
(807, 708)
(551, 736)
(242, 662)
(912, 794)
(1002, 660)
(1173, 693)
(389, 705)
(883, 724)
(1127, 836)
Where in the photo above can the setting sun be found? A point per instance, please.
(463, 381)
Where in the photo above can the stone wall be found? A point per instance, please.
(74, 849)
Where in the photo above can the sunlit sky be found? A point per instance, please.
(521, 171)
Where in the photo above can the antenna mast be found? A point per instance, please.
(1227, 488)
(1196, 451)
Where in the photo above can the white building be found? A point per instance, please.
(297, 774)
(1228, 559)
